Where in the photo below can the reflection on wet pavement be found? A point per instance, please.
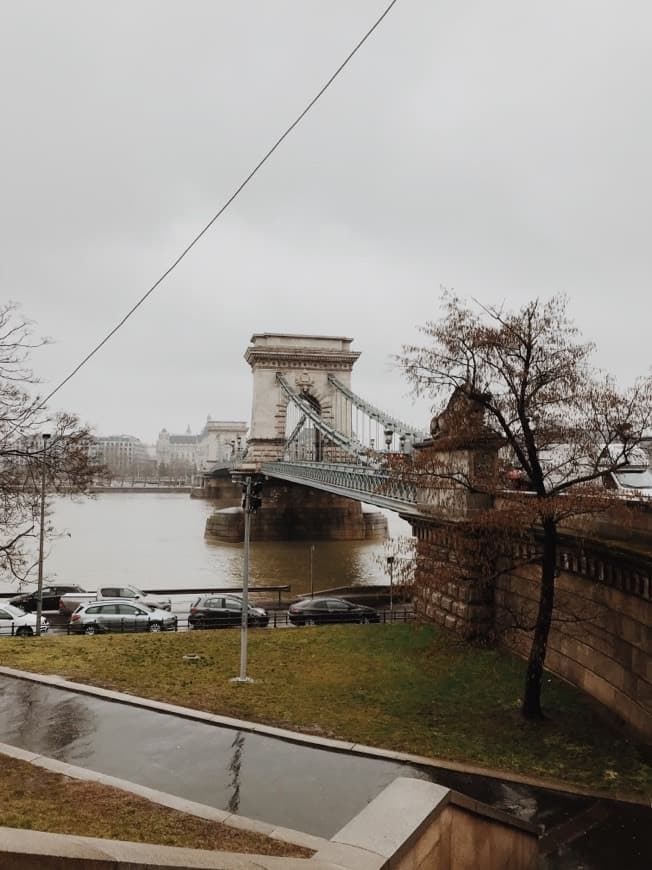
(297, 786)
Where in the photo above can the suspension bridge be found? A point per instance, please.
(309, 427)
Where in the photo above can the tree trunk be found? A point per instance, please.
(532, 697)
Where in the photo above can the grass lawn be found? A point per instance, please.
(403, 687)
(39, 800)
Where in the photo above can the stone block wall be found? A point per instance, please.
(462, 606)
(633, 529)
(600, 639)
(601, 636)
(220, 490)
(293, 512)
(226, 525)
(375, 525)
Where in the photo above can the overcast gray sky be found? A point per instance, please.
(499, 148)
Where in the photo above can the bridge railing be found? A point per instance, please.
(376, 486)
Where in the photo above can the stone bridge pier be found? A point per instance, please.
(292, 511)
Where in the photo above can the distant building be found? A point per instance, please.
(120, 453)
(176, 450)
(217, 442)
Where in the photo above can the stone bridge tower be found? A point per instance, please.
(306, 361)
(292, 511)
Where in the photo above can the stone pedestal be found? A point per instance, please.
(293, 512)
(463, 605)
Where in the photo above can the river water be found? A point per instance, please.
(156, 541)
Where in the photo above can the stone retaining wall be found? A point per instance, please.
(601, 637)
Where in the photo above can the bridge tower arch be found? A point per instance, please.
(304, 366)
(305, 361)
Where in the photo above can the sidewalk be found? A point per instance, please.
(614, 832)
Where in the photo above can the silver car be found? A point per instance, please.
(133, 593)
(97, 617)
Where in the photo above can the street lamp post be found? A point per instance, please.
(390, 565)
(250, 503)
(39, 590)
(243, 678)
(312, 588)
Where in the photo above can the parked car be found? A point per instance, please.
(51, 594)
(221, 611)
(70, 601)
(13, 620)
(97, 617)
(319, 611)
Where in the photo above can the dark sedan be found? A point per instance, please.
(319, 611)
(51, 595)
(219, 611)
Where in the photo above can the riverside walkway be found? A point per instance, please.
(303, 783)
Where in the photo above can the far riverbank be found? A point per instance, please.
(127, 489)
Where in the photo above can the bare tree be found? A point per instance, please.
(525, 378)
(23, 420)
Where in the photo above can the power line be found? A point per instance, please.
(224, 207)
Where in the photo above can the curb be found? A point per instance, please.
(165, 799)
(325, 743)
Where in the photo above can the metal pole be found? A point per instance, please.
(39, 588)
(390, 564)
(312, 589)
(243, 678)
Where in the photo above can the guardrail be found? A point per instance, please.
(277, 619)
(397, 614)
(199, 590)
(222, 590)
(353, 481)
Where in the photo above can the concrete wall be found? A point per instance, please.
(411, 825)
(479, 841)
(418, 825)
(36, 850)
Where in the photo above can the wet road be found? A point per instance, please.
(301, 787)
